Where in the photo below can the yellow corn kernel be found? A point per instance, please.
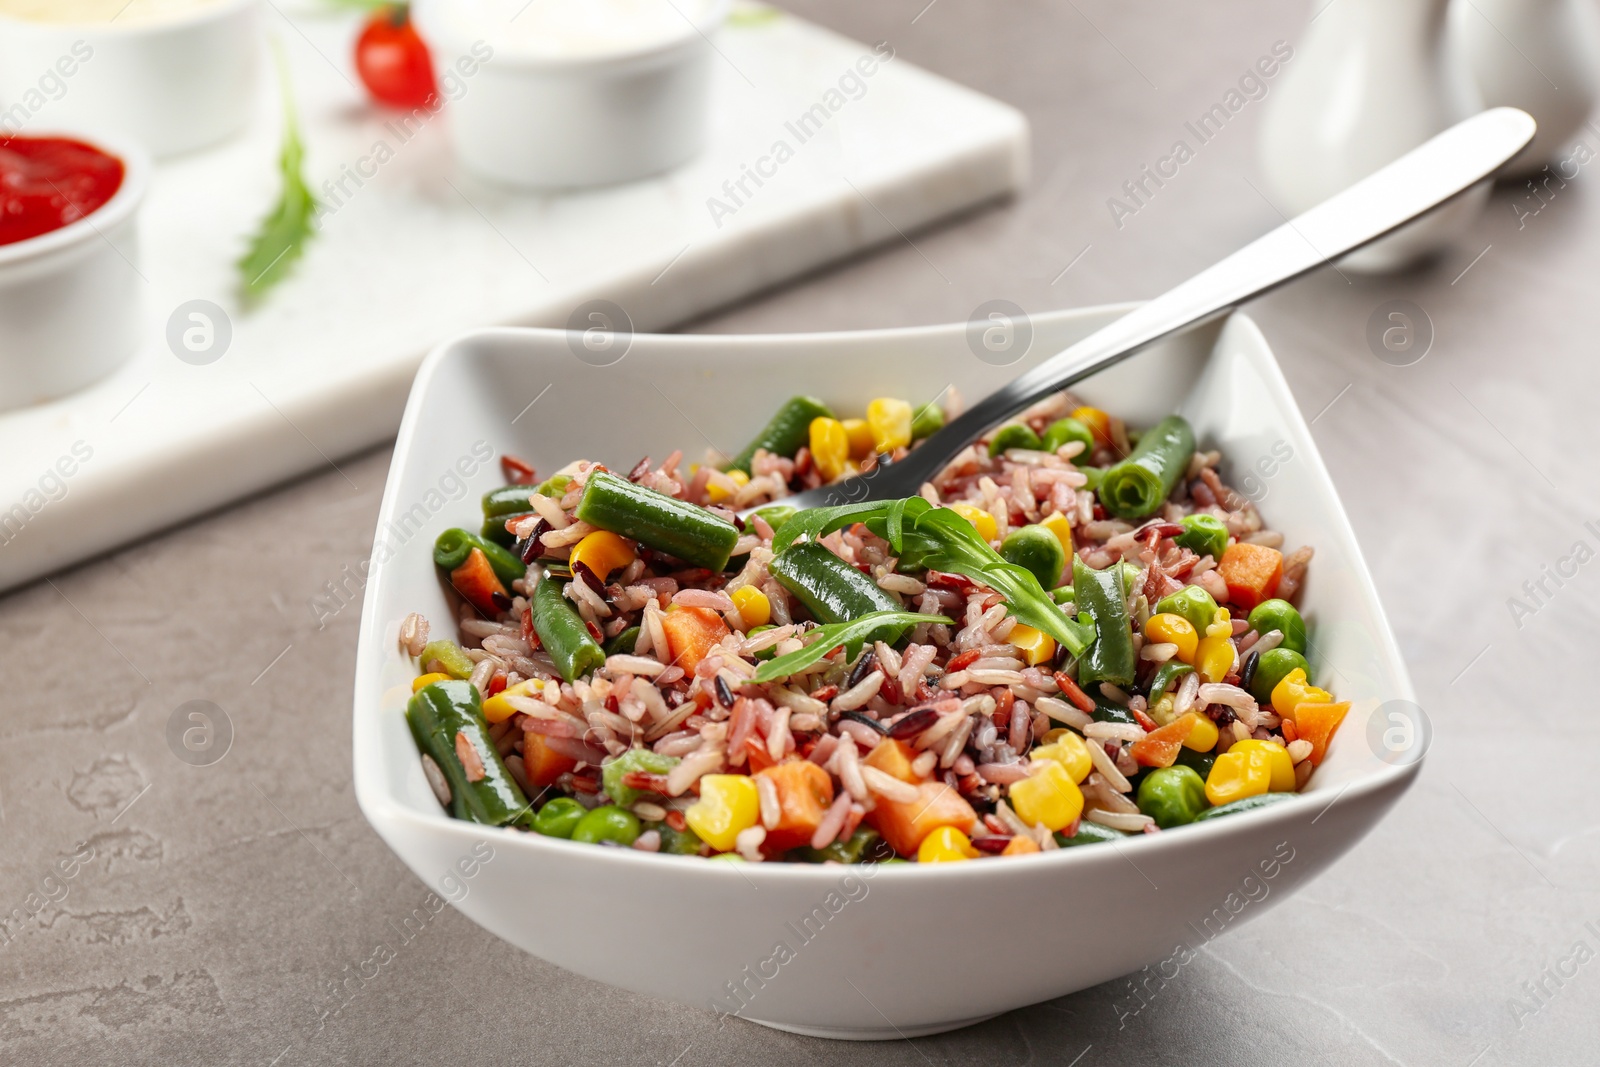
(1202, 736)
(1278, 761)
(1293, 690)
(717, 492)
(981, 520)
(1237, 774)
(1213, 659)
(498, 709)
(860, 435)
(1048, 797)
(1221, 626)
(946, 845)
(1037, 646)
(728, 804)
(830, 447)
(428, 679)
(890, 422)
(1057, 524)
(1067, 749)
(1168, 628)
(603, 552)
(754, 607)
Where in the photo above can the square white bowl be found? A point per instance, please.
(875, 952)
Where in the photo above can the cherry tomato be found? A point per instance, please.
(393, 61)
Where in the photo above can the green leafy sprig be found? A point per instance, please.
(283, 234)
(851, 634)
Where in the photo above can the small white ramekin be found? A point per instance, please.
(173, 84)
(70, 299)
(562, 122)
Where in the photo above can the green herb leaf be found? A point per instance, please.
(927, 537)
(286, 229)
(850, 634)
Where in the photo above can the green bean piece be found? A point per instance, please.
(1108, 711)
(928, 420)
(1089, 833)
(453, 546)
(775, 515)
(1101, 594)
(1064, 595)
(635, 759)
(683, 842)
(508, 500)
(1036, 550)
(1204, 535)
(831, 589)
(1172, 796)
(494, 529)
(851, 850)
(1066, 430)
(1260, 800)
(559, 817)
(1015, 435)
(666, 524)
(1192, 603)
(1094, 476)
(444, 715)
(1199, 762)
(554, 486)
(788, 430)
(1168, 673)
(1280, 615)
(765, 653)
(608, 823)
(562, 631)
(1136, 487)
(450, 657)
(622, 644)
(1273, 666)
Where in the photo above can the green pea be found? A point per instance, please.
(1272, 668)
(1172, 796)
(1199, 762)
(1204, 535)
(1280, 615)
(635, 759)
(1014, 436)
(1193, 603)
(1063, 431)
(559, 817)
(1036, 550)
(607, 823)
(928, 420)
(683, 842)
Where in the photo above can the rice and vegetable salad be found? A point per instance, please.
(1075, 633)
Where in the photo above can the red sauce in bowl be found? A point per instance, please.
(50, 182)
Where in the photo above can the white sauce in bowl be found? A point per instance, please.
(93, 11)
(559, 29)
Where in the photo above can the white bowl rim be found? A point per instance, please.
(715, 15)
(385, 813)
(136, 167)
(212, 10)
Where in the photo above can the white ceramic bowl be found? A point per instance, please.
(544, 122)
(174, 84)
(70, 299)
(876, 952)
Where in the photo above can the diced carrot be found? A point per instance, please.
(542, 765)
(1316, 723)
(904, 824)
(1159, 748)
(692, 633)
(1289, 735)
(755, 750)
(805, 791)
(892, 758)
(1020, 846)
(1252, 573)
(475, 579)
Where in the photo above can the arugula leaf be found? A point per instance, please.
(289, 225)
(927, 537)
(851, 635)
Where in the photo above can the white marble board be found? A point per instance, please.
(420, 251)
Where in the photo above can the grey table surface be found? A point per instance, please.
(222, 902)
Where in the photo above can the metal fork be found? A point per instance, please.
(1419, 181)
